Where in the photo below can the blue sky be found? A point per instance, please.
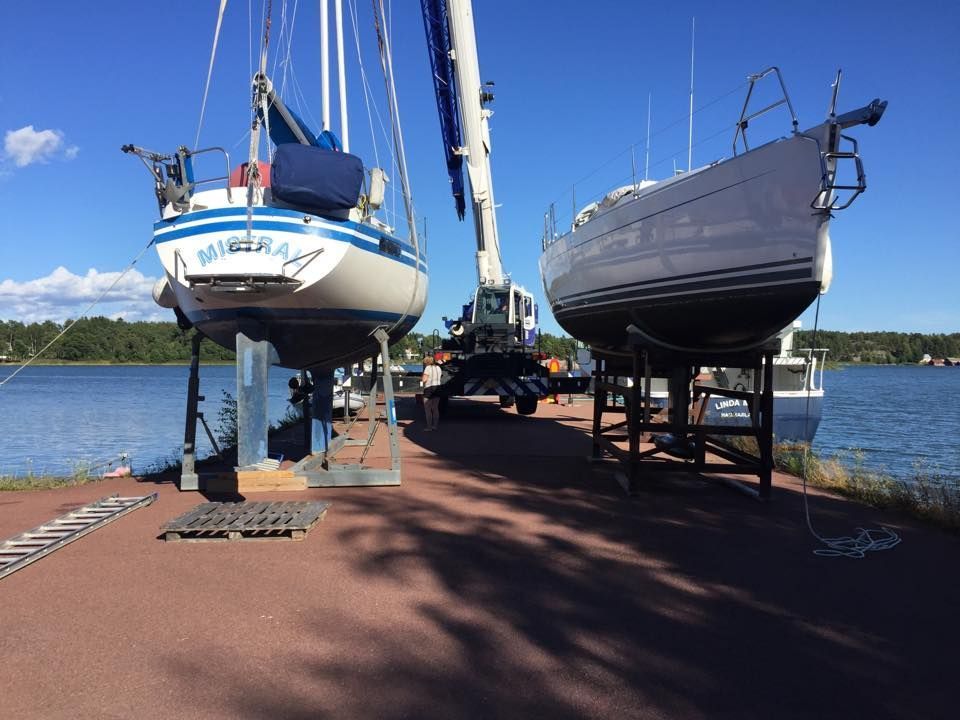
(572, 82)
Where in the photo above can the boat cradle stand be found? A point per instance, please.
(258, 472)
(320, 467)
(681, 439)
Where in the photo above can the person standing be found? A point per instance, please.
(431, 391)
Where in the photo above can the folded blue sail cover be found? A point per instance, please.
(314, 179)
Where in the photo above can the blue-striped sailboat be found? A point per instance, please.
(290, 252)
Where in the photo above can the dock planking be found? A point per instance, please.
(246, 521)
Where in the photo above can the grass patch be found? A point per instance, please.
(927, 496)
(81, 475)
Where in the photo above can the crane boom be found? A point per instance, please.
(459, 45)
(490, 350)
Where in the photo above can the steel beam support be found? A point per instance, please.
(307, 415)
(388, 399)
(253, 369)
(321, 411)
(189, 480)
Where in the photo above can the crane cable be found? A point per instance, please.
(82, 315)
(855, 546)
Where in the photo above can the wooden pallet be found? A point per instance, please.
(246, 521)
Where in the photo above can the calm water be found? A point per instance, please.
(54, 417)
(902, 418)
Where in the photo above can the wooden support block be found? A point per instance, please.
(252, 481)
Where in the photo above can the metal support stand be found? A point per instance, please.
(321, 469)
(307, 415)
(253, 366)
(321, 411)
(681, 443)
(189, 480)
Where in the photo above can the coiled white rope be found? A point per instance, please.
(855, 546)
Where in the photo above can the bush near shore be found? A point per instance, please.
(926, 496)
(81, 475)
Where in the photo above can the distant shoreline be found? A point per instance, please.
(105, 363)
(829, 365)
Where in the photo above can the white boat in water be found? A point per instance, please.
(291, 252)
(797, 391)
(718, 258)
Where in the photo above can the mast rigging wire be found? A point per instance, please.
(213, 55)
(386, 61)
(662, 130)
(82, 315)
(352, 10)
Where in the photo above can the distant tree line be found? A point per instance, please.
(100, 339)
(419, 344)
(880, 347)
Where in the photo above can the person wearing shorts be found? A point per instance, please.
(431, 392)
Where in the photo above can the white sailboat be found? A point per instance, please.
(718, 258)
(291, 251)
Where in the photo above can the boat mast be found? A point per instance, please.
(341, 77)
(477, 137)
(324, 65)
(693, 33)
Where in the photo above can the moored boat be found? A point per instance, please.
(797, 391)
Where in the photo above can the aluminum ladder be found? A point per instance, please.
(21, 550)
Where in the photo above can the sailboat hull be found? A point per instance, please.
(314, 287)
(718, 258)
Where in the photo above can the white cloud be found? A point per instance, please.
(71, 152)
(26, 145)
(62, 294)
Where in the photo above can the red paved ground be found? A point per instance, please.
(506, 578)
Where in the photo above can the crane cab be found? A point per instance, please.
(508, 311)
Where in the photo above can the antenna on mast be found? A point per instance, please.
(646, 164)
(693, 32)
(324, 65)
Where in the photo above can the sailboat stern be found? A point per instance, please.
(315, 287)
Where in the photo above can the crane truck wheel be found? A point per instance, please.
(506, 401)
(527, 404)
